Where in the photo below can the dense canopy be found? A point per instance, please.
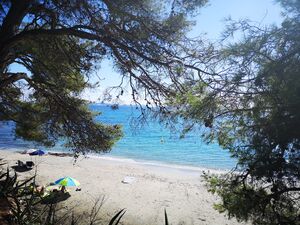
(61, 44)
(251, 106)
(247, 94)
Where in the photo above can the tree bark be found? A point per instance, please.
(9, 28)
(9, 78)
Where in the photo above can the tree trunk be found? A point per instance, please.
(8, 29)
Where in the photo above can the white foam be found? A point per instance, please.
(152, 164)
(155, 164)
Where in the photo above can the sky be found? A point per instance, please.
(211, 17)
(209, 23)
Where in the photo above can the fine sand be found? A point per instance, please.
(181, 191)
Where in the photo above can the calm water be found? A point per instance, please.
(152, 142)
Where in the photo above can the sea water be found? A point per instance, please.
(149, 142)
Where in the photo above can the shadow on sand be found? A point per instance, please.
(55, 197)
(21, 169)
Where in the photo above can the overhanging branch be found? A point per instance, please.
(9, 78)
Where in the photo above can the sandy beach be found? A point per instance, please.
(180, 191)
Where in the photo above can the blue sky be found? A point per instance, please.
(211, 18)
(209, 22)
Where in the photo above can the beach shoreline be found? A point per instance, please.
(146, 163)
(179, 190)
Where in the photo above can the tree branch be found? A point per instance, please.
(9, 78)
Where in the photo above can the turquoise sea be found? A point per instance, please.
(149, 143)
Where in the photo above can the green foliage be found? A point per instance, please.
(251, 202)
(61, 43)
(250, 104)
